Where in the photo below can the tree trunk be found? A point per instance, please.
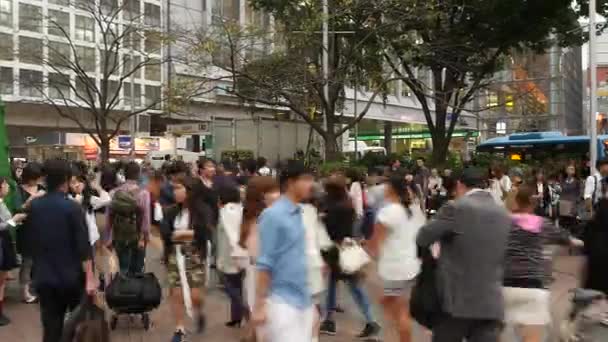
(388, 137)
(440, 151)
(331, 147)
(104, 148)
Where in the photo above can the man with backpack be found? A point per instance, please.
(128, 224)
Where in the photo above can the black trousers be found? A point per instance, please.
(54, 304)
(233, 285)
(451, 329)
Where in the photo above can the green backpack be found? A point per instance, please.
(124, 215)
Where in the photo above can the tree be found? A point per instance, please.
(463, 44)
(114, 46)
(291, 75)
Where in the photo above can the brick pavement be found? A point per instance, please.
(26, 324)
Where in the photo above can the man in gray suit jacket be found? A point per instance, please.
(473, 233)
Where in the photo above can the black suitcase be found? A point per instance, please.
(133, 294)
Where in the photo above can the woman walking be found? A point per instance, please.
(261, 193)
(394, 240)
(339, 218)
(185, 234)
(91, 197)
(29, 189)
(8, 258)
(528, 267)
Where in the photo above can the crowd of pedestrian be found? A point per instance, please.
(282, 244)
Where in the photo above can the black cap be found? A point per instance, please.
(473, 177)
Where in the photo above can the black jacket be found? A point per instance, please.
(199, 217)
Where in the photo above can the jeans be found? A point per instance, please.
(54, 304)
(356, 291)
(233, 286)
(451, 329)
(131, 258)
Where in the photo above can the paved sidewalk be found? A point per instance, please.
(26, 322)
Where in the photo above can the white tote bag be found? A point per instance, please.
(352, 257)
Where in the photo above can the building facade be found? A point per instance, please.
(34, 33)
(535, 92)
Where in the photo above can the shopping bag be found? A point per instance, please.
(425, 303)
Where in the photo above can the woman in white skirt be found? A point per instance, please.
(528, 268)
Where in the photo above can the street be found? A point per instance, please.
(25, 325)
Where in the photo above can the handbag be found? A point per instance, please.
(425, 303)
(86, 324)
(352, 257)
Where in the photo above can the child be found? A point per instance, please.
(230, 216)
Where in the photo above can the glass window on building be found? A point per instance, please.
(30, 50)
(85, 29)
(6, 81)
(81, 86)
(152, 15)
(59, 54)
(30, 83)
(127, 94)
(113, 89)
(152, 44)
(59, 86)
(129, 68)
(60, 2)
(6, 13)
(30, 18)
(85, 57)
(133, 38)
(405, 90)
(59, 23)
(108, 6)
(132, 9)
(113, 66)
(153, 96)
(501, 127)
(7, 53)
(153, 70)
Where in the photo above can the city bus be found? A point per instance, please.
(537, 146)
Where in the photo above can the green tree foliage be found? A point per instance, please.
(291, 75)
(462, 44)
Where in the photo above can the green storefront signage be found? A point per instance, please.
(412, 135)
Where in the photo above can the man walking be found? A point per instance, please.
(283, 300)
(128, 227)
(473, 233)
(60, 251)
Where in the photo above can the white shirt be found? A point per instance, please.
(316, 241)
(97, 202)
(356, 194)
(593, 185)
(229, 251)
(182, 220)
(398, 255)
(499, 188)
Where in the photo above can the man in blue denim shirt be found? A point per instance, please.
(283, 300)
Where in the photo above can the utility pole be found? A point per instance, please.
(593, 95)
(133, 121)
(325, 68)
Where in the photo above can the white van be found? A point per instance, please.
(362, 149)
(157, 158)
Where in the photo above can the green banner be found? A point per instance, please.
(412, 135)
